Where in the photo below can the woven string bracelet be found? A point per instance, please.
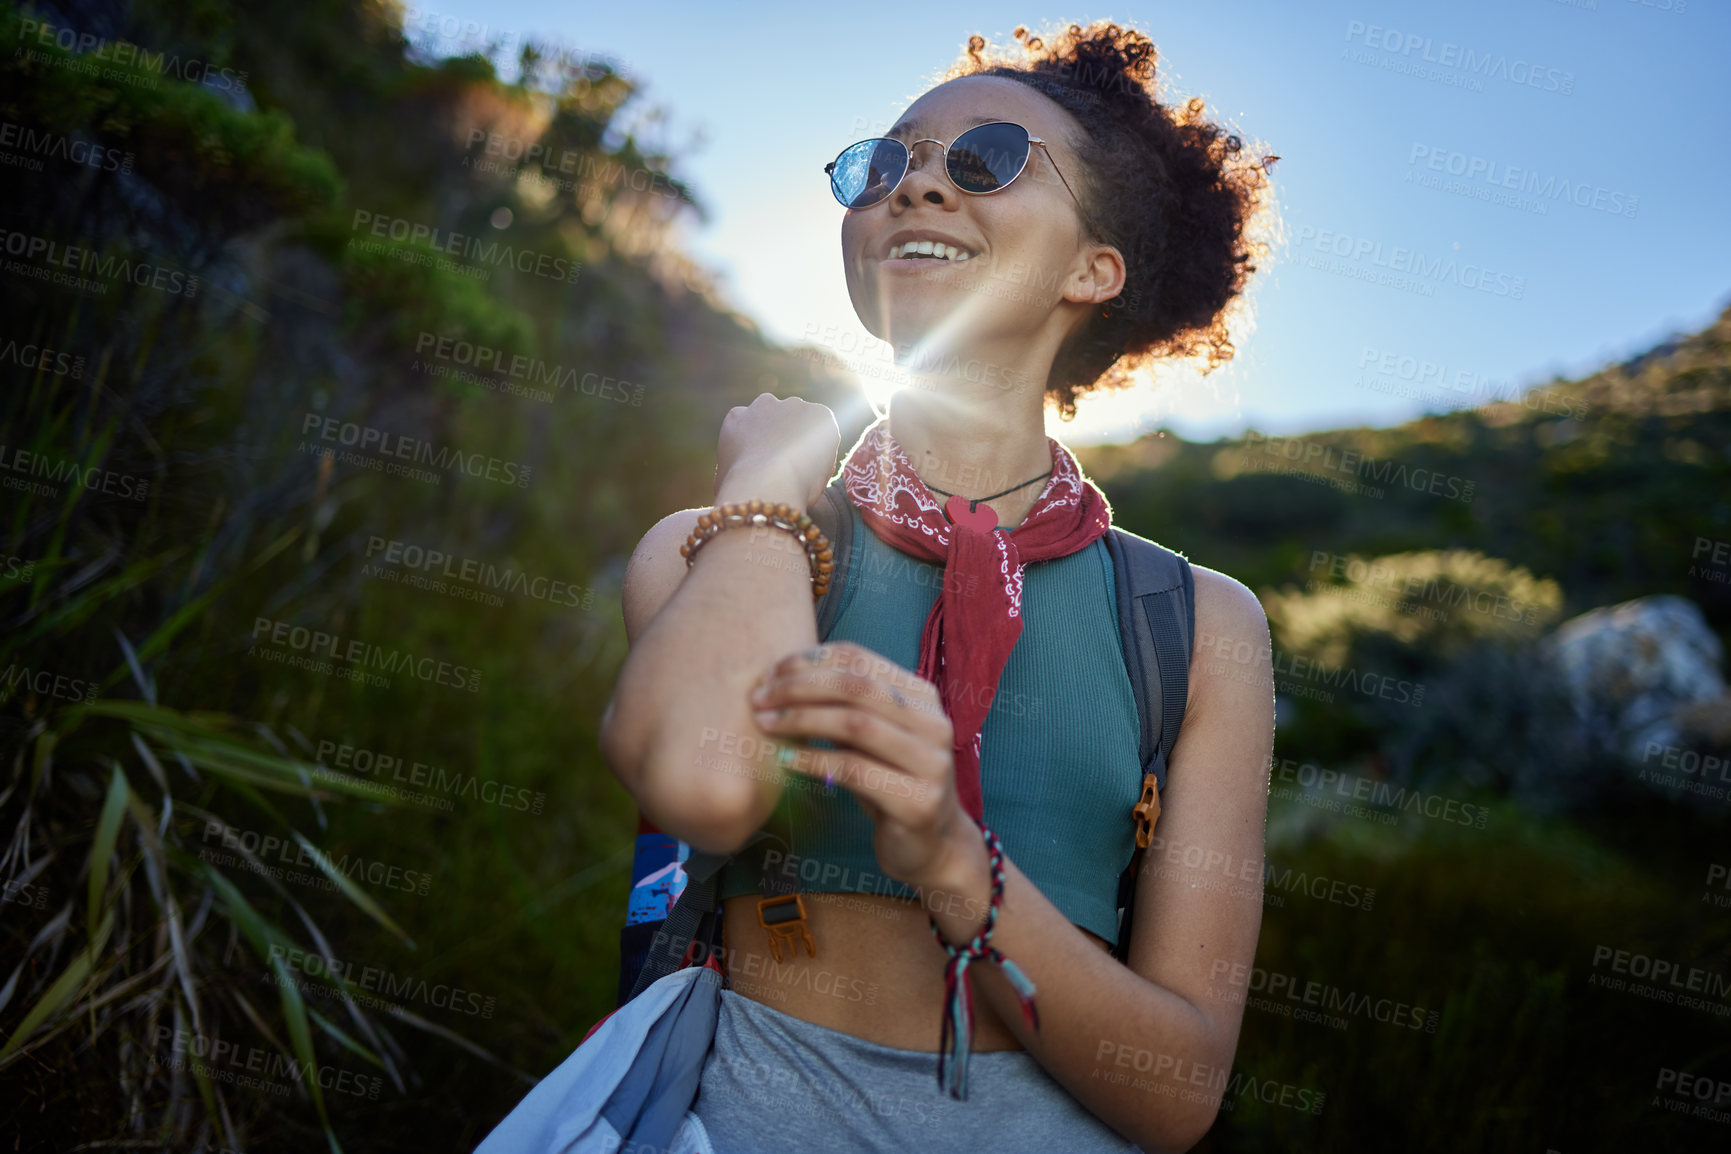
(957, 1035)
(760, 514)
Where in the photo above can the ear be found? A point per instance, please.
(1098, 280)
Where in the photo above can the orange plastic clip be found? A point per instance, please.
(1147, 811)
(784, 918)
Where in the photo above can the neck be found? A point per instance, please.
(974, 440)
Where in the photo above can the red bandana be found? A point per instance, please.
(978, 617)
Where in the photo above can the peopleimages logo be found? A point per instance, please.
(1413, 266)
(1472, 386)
(1662, 980)
(1545, 187)
(56, 262)
(374, 765)
(528, 370)
(1458, 58)
(46, 683)
(1312, 456)
(368, 439)
(331, 649)
(595, 170)
(1315, 784)
(292, 852)
(378, 980)
(58, 469)
(54, 362)
(485, 578)
(89, 48)
(472, 248)
(1410, 590)
(254, 1067)
(41, 142)
(1290, 988)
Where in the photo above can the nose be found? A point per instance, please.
(925, 179)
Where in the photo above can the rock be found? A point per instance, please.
(1641, 673)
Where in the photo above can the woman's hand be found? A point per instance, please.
(777, 449)
(894, 752)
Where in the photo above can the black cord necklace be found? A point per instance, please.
(974, 502)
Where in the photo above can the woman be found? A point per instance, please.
(1013, 266)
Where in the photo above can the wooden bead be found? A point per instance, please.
(733, 514)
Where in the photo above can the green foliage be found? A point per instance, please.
(1435, 557)
(140, 944)
(138, 807)
(237, 169)
(1436, 600)
(131, 806)
(1602, 486)
(1495, 930)
(412, 289)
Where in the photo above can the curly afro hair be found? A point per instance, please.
(1176, 194)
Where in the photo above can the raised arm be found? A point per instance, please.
(700, 637)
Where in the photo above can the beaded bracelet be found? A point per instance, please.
(781, 515)
(957, 1036)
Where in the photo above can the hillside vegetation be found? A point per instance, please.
(340, 379)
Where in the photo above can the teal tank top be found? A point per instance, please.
(1059, 763)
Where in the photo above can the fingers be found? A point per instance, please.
(849, 675)
(860, 730)
(880, 790)
(918, 713)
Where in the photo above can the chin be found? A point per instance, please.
(906, 313)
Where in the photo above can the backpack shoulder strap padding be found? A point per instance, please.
(1156, 623)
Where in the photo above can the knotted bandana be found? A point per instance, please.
(977, 619)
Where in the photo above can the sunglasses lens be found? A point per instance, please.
(866, 172)
(986, 158)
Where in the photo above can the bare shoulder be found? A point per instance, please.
(1231, 662)
(656, 569)
(1226, 608)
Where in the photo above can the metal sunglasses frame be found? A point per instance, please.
(907, 165)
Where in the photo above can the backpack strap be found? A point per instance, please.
(1156, 619)
(691, 931)
(1156, 594)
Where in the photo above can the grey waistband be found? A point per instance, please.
(778, 1083)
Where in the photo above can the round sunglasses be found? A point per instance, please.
(985, 159)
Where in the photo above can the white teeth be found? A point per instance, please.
(928, 248)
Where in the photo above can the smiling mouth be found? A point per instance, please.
(928, 250)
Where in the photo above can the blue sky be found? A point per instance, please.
(1476, 195)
